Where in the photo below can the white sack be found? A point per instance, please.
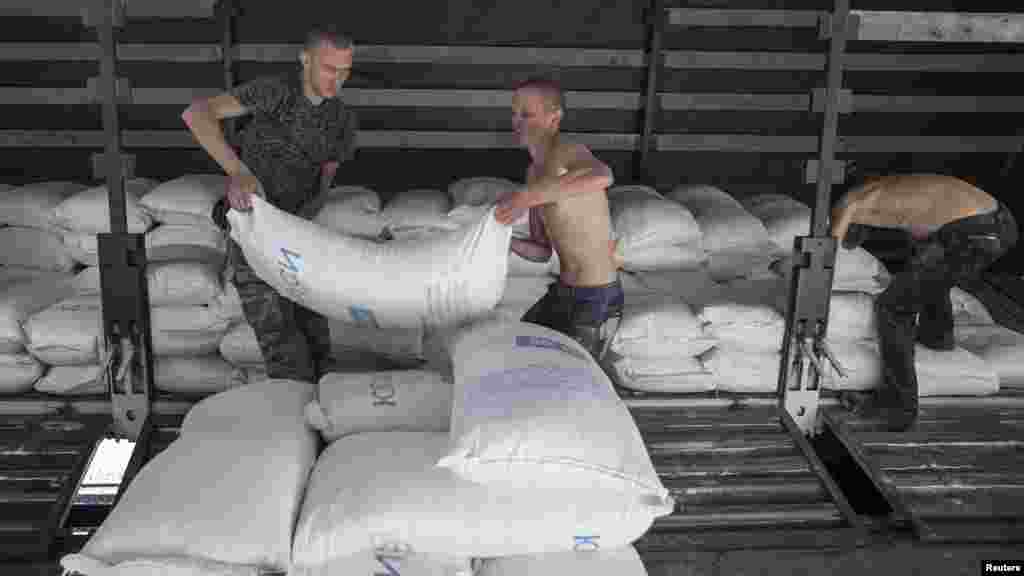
(406, 400)
(83, 380)
(88, 211)
(695, 287)
(861, 361)
(353, 211)
(70, 332)
(382, 489)
(659, 326)
(21, 300)
(750, 261)
(180, 283)
(533, 409)
(480, 190)
(18, 372)
(419, 208)
(641, 218)
(724, 223)
(34, 248)
(855, 270)
(756, 327)
(240, 347)
(228, 303)
(163, 243)
(623, 561)
(967, 309)
(1002, 350)
(519, 266)
(208, 374)
(662, 257)
(197, 243)
(187, 200)
(449, 278)
(743, 370)
(403, 344)
(676, 375)
(783, 217)
(11, 275)
(165, 566)
(170, 509)
(387, 563)
(851, 316)
(33, 205)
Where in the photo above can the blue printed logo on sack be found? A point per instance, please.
(542, 342)
(390, 565)
(586, 544)
(290, 267)
(363, 316)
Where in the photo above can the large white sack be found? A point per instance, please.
(662, 257)
(418, 208)
(783, 217)
(353, 211)
(967, 309)
(449, 278)
(407, 400)
(388, 563)
(623, 561)
(403, 344)
(70, 332)
(208, 374)
(531, 408)
(851, 316)
(165, 566)
(480, 190)
(382, 489)
(519, 266)
(179, 283)
(748, 261)
(752, 326)
(163, 243)
(240, 347)
(744, 370)
(18, 372)
(34, 248)
(88, 211)
(695, 287)
(32, 205)
(228, 489)
(659, 326)
(21, 300)
(861, 361)
(855, 270)
(83, 380)
(1002, 350)
(11, 275)
(724, 223)
(676, 375)
(187, 200)
(642, 218)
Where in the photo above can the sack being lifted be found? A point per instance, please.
(439, 279)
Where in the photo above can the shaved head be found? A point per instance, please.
(548, 88)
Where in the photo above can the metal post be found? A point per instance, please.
(656, 17)
(108, 89)
(227, 48)
(830, 125)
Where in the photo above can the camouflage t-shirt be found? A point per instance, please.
(289, 138)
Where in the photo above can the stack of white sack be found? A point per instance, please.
(653, 233)
(736, 242)
(19, 369)
(30, 236)
(440, 483)
(351, 210)
(437, 278)
(172, 519)
(785, 218)
(485, 191)
(86, 213)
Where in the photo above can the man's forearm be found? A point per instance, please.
(327, 177)
(548, 190)
(207, 131)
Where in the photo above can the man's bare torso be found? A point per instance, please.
(579, 229)
(919, 203)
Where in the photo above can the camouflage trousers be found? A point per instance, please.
(916, 305)
(295, 342)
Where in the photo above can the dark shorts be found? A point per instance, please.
(590, 315)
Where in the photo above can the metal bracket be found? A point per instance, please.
(126, 329)
(827, 26)
(838, 171)
(99, 165)
(800, 372)
(819, 100)
(95, 91)
(92, 14)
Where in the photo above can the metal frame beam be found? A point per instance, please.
(656, 17)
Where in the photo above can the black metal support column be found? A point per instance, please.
(122, 261)
(226, 13)
(656, 16)
(830, 125)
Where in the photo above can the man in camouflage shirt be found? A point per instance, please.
(299, 132)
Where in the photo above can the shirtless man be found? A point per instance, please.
(566, 197)
(957, 231)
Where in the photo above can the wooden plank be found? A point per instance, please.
(46, 481)
(718, 441)
(45, 52)
(897, 26)
(951, 438)
(43, 8)
(670, 418)
(902, 459)
(973, 63)
(668, 401)
(689, 60)
(62, 96)
(726, 101)
(669, 545)
(737, 143)
(728, 465)
(973, 531)
(760, 516)
(746, 491)
(928, 144)
(36, 406)
(477, 55)
(936, 104)
(990, 503)
(194, 9)
(941, 481)
(740, 122)
(744, 18)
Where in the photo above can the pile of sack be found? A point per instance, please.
(418, 476)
